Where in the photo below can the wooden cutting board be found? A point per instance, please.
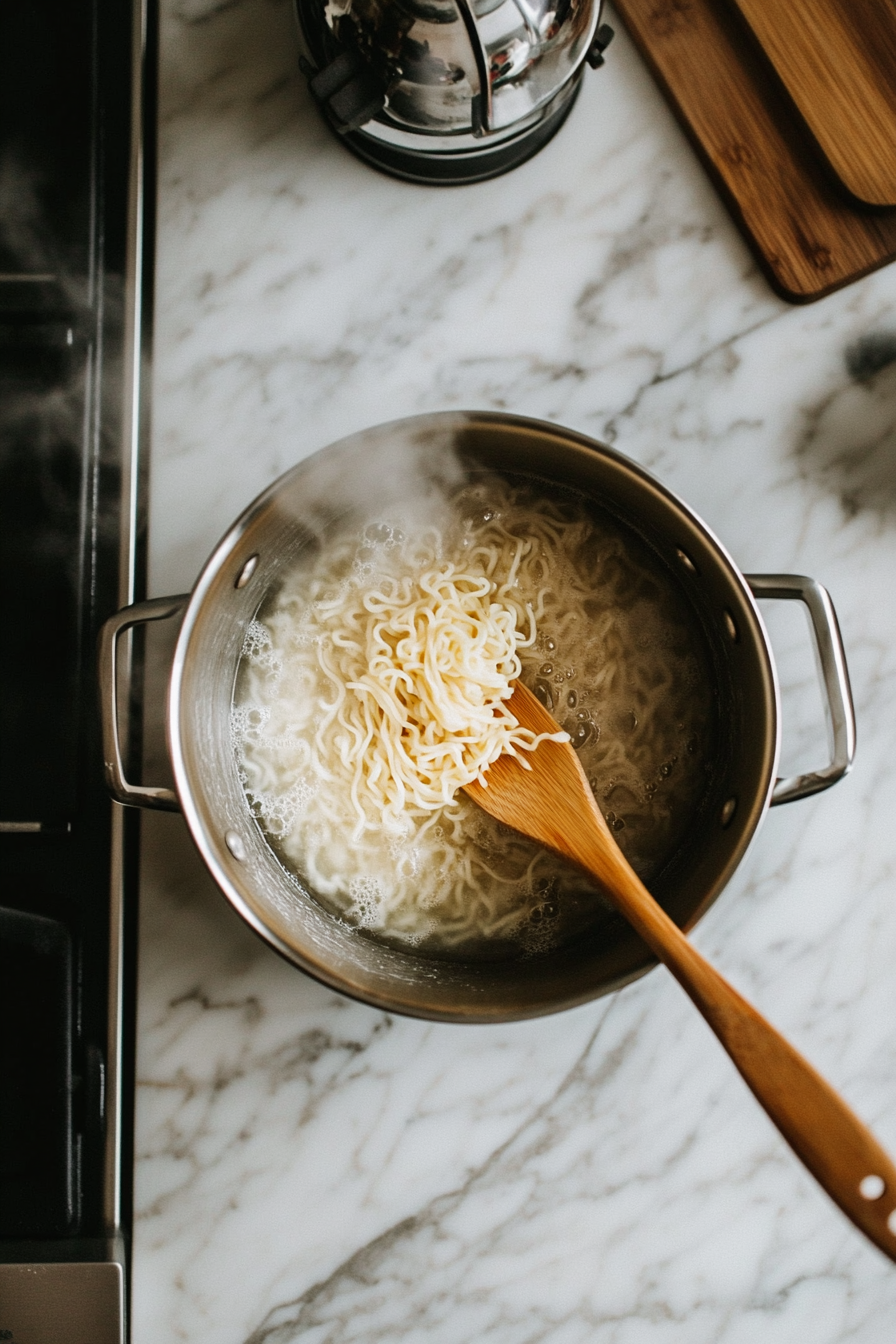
(837, 60)
(808, 236)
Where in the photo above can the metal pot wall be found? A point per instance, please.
(379, 465)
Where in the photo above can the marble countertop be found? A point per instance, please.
(309, 1169)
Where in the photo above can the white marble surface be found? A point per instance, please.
(309, 1169)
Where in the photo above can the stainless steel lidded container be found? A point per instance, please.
(388, 464)
(448, 91)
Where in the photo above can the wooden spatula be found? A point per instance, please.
(838, 63)
(552, 803)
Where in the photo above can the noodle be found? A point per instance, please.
(430, 660)
(373, 687)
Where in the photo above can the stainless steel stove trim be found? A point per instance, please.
(135, 416)
(115, 1043)
(135, 431)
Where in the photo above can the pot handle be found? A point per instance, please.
(840, 712)
(132, 795)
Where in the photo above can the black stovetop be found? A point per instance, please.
(74, 244)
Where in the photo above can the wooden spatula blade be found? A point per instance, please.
(550, 803)
(838, 63)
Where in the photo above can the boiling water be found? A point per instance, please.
(619, 660)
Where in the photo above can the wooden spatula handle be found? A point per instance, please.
(837, 1148)
(549, 799)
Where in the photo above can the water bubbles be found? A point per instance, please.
(258, 648)
(546, 669)
(581, 732)
(367, 896)
(572, 700)
(248, 718)
(550, 645)
(256, 639)
(382, 534)
(544, 693)
(543, 913)
(278, 811)
(537, 931)
(615, 823)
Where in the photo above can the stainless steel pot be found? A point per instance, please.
(381, 465)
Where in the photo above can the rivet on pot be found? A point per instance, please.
(730, 626)
(686, 560)
(728, 811)
(246, 572)
(234, 842)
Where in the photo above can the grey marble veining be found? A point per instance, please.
(311, 1170)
